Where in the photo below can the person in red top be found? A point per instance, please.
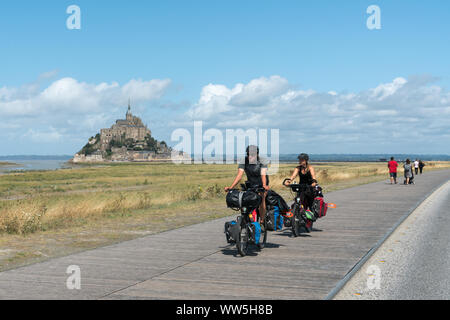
(392, 165)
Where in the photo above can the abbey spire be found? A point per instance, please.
(129, 115)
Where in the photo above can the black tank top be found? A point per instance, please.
(253, 172)
(305, 178)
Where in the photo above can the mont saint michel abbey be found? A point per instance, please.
(127, 140)
(130, 128)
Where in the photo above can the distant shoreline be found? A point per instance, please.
(61, 165)
(18, 163)
(7, 164)
(282, 157)
(35, 157)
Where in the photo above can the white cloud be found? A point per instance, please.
(50, 135)
(145, 90)
(71, 96)
(387, 89)
(213, 99)
(386, 113)
(219, 99)
(400, 114)
(258, 91)
(370, 117)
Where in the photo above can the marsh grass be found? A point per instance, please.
(68, 198)
(329, 174)
(23, 217)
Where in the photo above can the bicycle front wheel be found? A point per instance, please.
(242, 242)
(296, 222)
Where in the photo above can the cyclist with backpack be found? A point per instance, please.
(255, 169)
(307, 176)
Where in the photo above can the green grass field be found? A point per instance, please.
(49, 213)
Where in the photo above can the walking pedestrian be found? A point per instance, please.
(421, 165)
(392, 165)
(408, 171)
(416, 167)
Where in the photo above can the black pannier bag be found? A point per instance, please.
(270, 219)
(273, 199)
(232, 230)
(239, 199)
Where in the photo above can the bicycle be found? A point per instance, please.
(247, 230)
(301, 220)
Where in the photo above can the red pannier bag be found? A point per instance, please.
(319, 207)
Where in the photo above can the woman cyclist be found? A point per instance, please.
(255, 169)
(307, 176)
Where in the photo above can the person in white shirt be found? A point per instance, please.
(416, 166)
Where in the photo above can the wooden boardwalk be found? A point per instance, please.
(195, 263)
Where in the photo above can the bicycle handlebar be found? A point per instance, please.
(248, 187)
(301, 185)
(256, 189)
(298, 187)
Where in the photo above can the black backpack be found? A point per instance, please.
(273, 199)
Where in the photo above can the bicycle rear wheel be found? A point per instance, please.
(262, 242)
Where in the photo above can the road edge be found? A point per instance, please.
(340, 285)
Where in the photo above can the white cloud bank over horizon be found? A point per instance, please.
(406, 115)
(74, 97)
(402, 116)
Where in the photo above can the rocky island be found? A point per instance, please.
(127, 140)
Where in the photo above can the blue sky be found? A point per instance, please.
(321, 46)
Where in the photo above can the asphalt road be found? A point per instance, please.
(414, 262)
